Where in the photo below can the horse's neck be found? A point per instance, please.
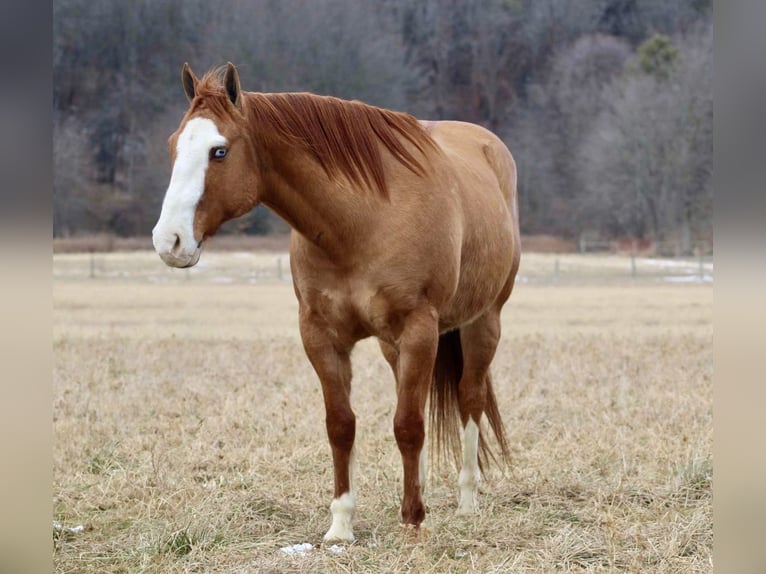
(318, 207)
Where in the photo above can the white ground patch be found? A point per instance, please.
(187, 184)
(58, 527)
(299, 549)
(304, 548)
(688, 279)
(691, 266)
(468, 481)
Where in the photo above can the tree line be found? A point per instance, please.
(607, 105)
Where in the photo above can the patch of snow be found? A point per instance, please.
(673, 264)
(298, 549)
(305, 547)
(688, 279)
(58, 527)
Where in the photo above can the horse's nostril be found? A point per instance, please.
(176, 246)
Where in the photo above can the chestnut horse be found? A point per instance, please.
(404, 230)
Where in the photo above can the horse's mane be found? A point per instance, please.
(343, 136)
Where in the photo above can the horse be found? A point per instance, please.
(403, 230)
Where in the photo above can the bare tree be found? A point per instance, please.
(71, 170)
(649, 162)
(534, 71)
(347, 49)
(560, 113)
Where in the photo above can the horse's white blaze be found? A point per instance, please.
(173, 236)
(468, 481)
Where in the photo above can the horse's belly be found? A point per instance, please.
(484, 272)
(468, 305)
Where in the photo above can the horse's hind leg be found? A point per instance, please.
(479, 341)
(333, 367)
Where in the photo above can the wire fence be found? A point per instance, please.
(146, 266)
(644, 247)
(264, 267)
(552, 268)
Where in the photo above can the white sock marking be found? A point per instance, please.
(468, 481)
(342, 509)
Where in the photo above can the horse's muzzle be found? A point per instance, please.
(181, 261)
(174, 252)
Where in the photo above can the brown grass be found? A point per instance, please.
(189, 436)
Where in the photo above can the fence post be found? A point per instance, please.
(556, 269)
(279, 268)
(633, 259)
(92, 264)
(701, 252)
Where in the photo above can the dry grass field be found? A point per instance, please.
(189, 430)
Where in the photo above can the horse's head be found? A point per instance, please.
(215, 175)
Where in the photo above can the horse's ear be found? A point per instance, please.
(189, 81)
(231, 85)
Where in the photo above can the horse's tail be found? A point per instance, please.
(444, 415)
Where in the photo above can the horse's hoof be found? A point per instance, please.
(416, 531)
(338, 535)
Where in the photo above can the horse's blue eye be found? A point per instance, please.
(219, 152)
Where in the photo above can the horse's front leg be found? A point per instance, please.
(417, 353)
(333, 366)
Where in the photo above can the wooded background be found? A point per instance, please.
(607, 105)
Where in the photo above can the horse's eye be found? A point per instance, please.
(218, 152)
